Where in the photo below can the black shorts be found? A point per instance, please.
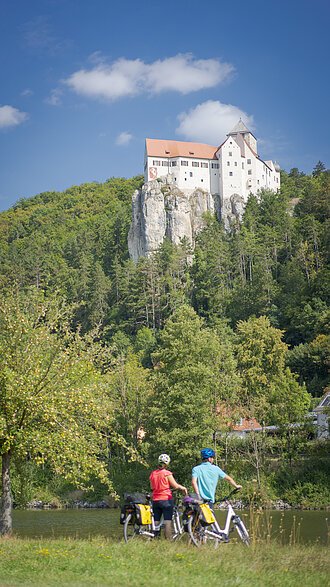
(163, 507)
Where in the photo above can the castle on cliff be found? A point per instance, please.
(184, 180)
(232, 169)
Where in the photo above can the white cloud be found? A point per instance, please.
(27, 93)
(125, 77)
(108, 82)
(210, 121)
(55, 97)
(10, 116)
(124, 138)
(184, 74)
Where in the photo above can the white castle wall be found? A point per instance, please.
(237, 170)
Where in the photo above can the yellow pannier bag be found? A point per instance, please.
(207, 514)
(143, 514)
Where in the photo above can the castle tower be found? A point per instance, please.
(242, 135)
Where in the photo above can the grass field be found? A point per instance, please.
(100, 563)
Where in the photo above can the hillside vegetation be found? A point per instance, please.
(181, 349)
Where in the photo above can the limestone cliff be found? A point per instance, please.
(161, 210)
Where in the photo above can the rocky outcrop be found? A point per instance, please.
(232, 210)
(161, 210)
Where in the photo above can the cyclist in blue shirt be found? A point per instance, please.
(205, 476)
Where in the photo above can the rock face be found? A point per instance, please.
(232, 210)
(161, 210)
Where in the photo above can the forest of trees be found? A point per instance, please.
(163, 355)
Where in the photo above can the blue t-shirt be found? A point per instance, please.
(207, 476)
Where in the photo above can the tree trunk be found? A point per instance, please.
(6, 499)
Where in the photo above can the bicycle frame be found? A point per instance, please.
(149, 531)
(214, 531)
(178, 529)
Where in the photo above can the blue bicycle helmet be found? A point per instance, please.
(207, 453)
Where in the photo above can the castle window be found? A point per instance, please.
(205, 165)
(184, 163)
(228, 163)
(202, 180)
(242, 165)
(215, 165)
(230, 173)
(190, 174)
(158, 163)
(174, 163)
(164, 163)
(249, 172)
(195, 164)
(249, 161)
(230, 153)
(235, 163)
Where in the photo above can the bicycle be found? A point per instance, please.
(135, 528)
(200, 531)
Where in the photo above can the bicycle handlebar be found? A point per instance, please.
(235, 490)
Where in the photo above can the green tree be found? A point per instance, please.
(312, 362)
(53, 402)
(130, 389)
(211, 270)
(270, 390)
(193, 372)
(318, 169)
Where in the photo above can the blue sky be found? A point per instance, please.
(82, 83)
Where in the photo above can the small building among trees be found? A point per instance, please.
(322, 416)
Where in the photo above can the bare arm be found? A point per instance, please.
(232, 482)
(176, 485)
(195, 485)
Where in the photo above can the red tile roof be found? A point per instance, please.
(247, 424)
(160, 148)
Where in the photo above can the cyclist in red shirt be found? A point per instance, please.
(161, 481)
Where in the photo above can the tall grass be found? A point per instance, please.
(99, 562)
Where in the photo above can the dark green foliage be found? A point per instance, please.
(70, 241)
(312, 362)
(186, 331)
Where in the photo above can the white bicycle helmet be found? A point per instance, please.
(164, 459)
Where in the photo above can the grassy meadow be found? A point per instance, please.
(102, 562)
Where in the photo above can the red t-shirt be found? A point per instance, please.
(160, 486)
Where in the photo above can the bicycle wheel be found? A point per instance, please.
(242, 531)
(196, 531)
(178, 530)
(133, 530)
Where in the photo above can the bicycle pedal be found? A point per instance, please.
(223, 536)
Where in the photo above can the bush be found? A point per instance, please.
(253, 495)
(308, 495)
